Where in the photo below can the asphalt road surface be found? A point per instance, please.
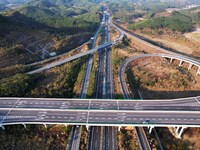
(186, 104)
(100, 117)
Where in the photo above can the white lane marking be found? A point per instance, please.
(88, 115)
(9, 117)
(118, 105)
(9, 111)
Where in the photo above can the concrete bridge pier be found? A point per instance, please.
(177, 128)
(190, 66)
(2, 127)
(87, 127)
(150, 129)
(24, 125)
(171, 60)
(179, 133)
(119, 127)
(180, 64)
(45, 125)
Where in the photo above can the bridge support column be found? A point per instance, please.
(190, 66)
(45, 125)
(171, 59)
(87, 127)
(177, 128)
(2, 127)
(119, 127)
(24, 125)
(180, 64)
(180, 133)
(150, 129)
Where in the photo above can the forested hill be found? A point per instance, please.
(181, 2)
(58, 28)
(61, 2)
(52, 13)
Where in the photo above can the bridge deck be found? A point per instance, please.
(100, 112)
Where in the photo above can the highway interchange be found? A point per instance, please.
(102, 111)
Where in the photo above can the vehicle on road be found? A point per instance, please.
(146, 122)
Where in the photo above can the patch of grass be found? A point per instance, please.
(92, 80)
(84, 138)
(79, 81)
(134, 82)
(127, 140)
(116, 62)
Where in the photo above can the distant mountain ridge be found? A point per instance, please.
(59, 2)
(5, 2)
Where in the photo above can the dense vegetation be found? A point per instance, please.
(35, 137)
(129, 10)
(60, 82)
(125, 11)
(194, 13)
(17, 85)
(176, 22)
(61, 18)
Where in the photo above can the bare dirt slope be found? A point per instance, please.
(194, 36)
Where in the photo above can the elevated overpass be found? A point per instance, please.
(60, 62)
(157, 113)
(91, 51)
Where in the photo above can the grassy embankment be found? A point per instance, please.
(93, 75)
